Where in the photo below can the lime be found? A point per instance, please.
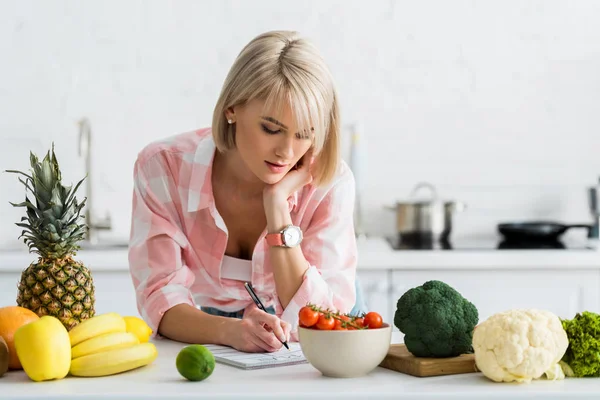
(195, 362)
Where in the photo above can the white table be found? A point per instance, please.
(161, 380)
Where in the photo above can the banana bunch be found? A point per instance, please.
(102, 346)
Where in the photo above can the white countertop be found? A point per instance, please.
(375, 253)
(161, 380)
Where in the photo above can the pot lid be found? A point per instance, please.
(416, 196)
(431, 197)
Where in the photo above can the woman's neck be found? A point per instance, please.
(232, 174)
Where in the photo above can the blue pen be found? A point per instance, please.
(259, 304)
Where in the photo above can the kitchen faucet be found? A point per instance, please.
(85, 150)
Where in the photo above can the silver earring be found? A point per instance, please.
(230, 121)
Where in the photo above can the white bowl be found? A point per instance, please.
(345, 354)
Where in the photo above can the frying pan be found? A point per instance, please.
(536, 230)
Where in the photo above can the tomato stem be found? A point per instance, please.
(336, 315)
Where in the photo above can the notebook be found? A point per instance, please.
(282, 357)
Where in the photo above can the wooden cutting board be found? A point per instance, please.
(401, 360)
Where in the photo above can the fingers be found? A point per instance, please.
(287, 329)
(275, 324)
(267, 331)
(309, 153)
(258, 345)
(305, 174)
(266, 340)
(251, 340)
(305, 161)
(309, 179)
(251, 347)
(308, 165)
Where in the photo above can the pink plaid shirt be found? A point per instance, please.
(178, 238)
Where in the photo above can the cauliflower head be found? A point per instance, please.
(520, 345)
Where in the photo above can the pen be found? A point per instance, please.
(259, 304)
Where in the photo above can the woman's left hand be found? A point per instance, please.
(295, 179)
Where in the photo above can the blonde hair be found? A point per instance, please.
(279, 67)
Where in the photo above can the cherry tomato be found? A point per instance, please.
(338, 322)
(373, 320)
(324, 323)
(307, 316)
(359, 322)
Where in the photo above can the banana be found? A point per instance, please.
(114, 361)
(108, 341)
(96, 326)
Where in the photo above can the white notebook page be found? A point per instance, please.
(282, 357)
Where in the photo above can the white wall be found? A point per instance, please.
(495, 102)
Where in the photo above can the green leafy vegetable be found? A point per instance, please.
(582, 358)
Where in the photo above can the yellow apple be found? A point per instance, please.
(44, 349)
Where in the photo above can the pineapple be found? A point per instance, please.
(55, 284)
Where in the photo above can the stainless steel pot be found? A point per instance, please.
(425, 220)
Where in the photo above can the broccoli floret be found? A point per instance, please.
(583, 354)
(437, 321)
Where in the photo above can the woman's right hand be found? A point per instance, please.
(259, 332)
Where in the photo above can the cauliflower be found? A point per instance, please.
(520, 345)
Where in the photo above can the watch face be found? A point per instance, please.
(292, 236)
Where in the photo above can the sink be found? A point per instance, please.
(104, 245)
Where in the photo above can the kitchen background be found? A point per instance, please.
(496, 103)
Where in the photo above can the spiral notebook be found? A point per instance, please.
(240, 359)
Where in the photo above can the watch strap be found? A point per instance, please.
(275, 239)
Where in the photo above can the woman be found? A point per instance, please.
(261, 197)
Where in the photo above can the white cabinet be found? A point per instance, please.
(8, 288)
(114, 291)
(564, 292)
(376, 290)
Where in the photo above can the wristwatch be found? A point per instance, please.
(290, 236)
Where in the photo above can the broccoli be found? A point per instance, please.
(582, 358)
(436, 320)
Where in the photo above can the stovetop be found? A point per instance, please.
(486, 244)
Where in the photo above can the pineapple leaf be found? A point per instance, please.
(66, 217)
(55, 202)
(33, 160)
(23, 225)
(26, 183)
(28, 230)
(27, 204)
(37, 172)
(53, 224)
(18, 172)
(31, 215)
(78, 233)
(72, 194)
(55, 165)
(48, 173)
(77, 208)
